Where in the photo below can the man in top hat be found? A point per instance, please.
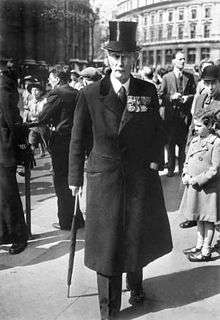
(126, 222)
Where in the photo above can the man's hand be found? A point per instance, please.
(154, 166)
(75, 190)
(176, 96)
(185, 179)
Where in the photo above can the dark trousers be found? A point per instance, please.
(109, 290)
(171, 154)
(12, 222)
(59, 150)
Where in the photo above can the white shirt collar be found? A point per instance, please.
(177, 72)
(117, 84)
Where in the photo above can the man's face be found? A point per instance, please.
(121, 64)
(212, 86)
(36, 92)
(53, 80)
(179, 61)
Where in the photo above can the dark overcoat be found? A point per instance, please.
(126, 223)
(12, 133)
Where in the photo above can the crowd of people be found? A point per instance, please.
(122, 130)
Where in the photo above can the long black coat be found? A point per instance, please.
(12, 223)
(126, 225)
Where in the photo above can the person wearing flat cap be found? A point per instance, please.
(90, 75)
(126, 223)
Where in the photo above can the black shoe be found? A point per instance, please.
(170, 174)
(199, 257)
(188, 224)
(17, 247)
(137, 297)
(191, 250)
(56, 225)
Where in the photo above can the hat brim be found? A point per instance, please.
(116, 46)
(209, 78)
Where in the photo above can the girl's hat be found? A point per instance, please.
(210, 73)
(34, 85)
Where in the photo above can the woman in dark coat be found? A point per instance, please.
(12, 223)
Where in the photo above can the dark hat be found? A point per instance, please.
(210, 73)
(75, 73)
(91, 73)
(34, 85)
(30, 79)
(122, 37)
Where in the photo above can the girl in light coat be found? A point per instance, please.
(201, 177)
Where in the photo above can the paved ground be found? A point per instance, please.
(33, 283)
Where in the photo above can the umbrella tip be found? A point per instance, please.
(68, 292)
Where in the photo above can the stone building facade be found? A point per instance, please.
(167, 25)
(54, 31)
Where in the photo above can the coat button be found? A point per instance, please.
(200, 159)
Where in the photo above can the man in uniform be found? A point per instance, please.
(177, 92)
(126, 223)
(58, 113)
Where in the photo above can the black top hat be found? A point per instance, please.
(122, 36)
(211, 73)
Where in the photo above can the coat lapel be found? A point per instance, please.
(109, 98)
(127, 116)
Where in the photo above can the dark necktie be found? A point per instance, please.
(180, 83)
(122, 95)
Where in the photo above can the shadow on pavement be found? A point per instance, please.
(173, 192)
(37, 188)
(41, 248)
(176, 290)
(45, 166)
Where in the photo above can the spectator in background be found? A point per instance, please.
(58, 113)
(74, 76)
(26, 96)
(12, 136)
(37, 135)
(148, 74)
(177, 92)
(90, 75)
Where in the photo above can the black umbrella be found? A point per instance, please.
(72, 246)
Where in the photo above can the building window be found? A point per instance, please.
(144, 57)
(191, 55)
(145, 35)
(208, 12)
(160, 33)
(152, 34)
(169, 32)
(145, 20)
(150, 57)
(160, 17)
(193, 13)
(158, 56)
(152, 18)
(181, 14)
(170, 16)
(206, 30)
(192, 31)
(180, 32)
(168, 56)
(205, 53)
